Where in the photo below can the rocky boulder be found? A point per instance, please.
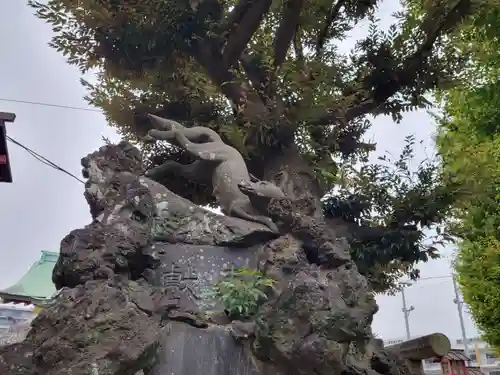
(102, 327)
(131, 289)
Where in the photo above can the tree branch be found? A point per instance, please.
(257, 74)
(297, 47)
(323, 34)
(246, 103)
(286, 30)
(224, 78)
(239, 38)
(236, 15)
(352, 230)
(368, 100)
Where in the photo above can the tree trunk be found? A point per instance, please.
(286, 167)
(292, 173)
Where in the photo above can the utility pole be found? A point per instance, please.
(459, 304)
(406, 310)
(5, 172)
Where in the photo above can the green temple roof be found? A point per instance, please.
(36, 284)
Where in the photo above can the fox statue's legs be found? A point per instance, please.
(198, 171)
(239, 212)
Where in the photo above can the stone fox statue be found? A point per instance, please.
(225, 164)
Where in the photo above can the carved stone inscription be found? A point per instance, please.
(175, 280)
(190, 270)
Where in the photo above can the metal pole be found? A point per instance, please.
(406, 312)
(459, 304)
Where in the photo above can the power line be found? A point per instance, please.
(435, 277)
(413, 282)
(50, 105)
(36, 155)
(457, 300)
(418, 286)
(43, 159)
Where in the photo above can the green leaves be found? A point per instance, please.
(166, 43)
(478, 268)
(393, 202)
(469, 143)
(169, 58)
(241, 292)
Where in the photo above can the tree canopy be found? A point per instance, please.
(469, 142)
(269, 76)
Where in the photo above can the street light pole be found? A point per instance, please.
(406, 311)
(459, 304)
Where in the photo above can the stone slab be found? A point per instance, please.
(178, 220)
(193, 269)
(193, 351)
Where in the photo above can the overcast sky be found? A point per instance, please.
(43, 204)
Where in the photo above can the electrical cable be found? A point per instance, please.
(43, 159)
(428, 278)
(36, 155)
(435, 277)
(418, 286)
(51, 105)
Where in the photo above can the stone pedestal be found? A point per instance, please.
(188, 271)
(210, 351)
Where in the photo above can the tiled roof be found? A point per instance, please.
(457, 355)
(454, 355)
(474, 371)
(36, 284)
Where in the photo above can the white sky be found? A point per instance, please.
(43, 205)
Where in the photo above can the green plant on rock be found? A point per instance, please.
(241, 292)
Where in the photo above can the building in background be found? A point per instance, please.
(15, 320)
(21, 301)
(36, 285)
(12, 315)
(479, 352)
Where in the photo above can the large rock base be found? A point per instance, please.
(131, 290)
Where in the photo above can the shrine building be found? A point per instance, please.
(36, 285)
